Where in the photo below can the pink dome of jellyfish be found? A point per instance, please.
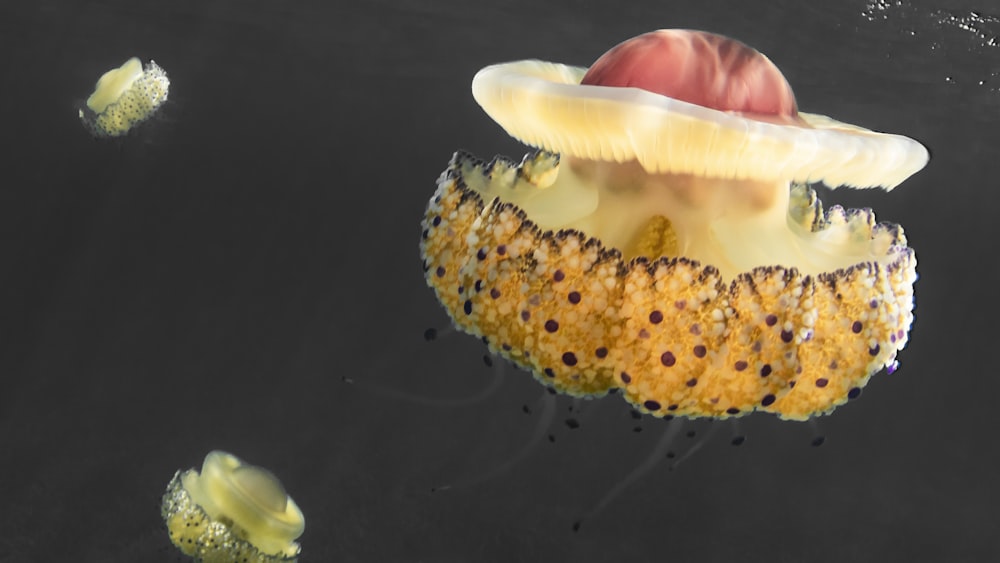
(663, 240)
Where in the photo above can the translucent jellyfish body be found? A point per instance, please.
(232, 511)
(664, 240)
(125, 97)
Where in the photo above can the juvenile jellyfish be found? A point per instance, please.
(125, 97)
(232, 511)
(664, 240)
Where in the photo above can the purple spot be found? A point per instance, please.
(436, 221)
(439, 271)
(558, 276)
(765, 370)
(680, 304)
(425, 234)
(656, 317)
(467, 307)
(569, 358)
(874, 304)
(833, 364)
(672, 407)
(479, 286)
(626, 378)
(574, 297)
(601, 352)
(899, 333)
(856, 327)
(668, 359)
(740, 365)
(551, 325)
(786, 336)
(891, 368)
(481, 255)
(892, 338)
(549, 372)
(643, 333)
(695, 329)
(732, 410)
(700, 351)
(461, 289)
(874, 350)
(502, 249)
(651, 405)
(767, 401)
(771, 320)
(692, 382)
(822, 382)
(494, 293)
(525, 315)
(854, 393)
(791, 384)
(506, 347)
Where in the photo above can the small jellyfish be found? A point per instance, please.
(232, 511)
(125, 97)
(664, 241)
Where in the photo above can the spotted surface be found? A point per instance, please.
(668, 332)
(194, 533)
(137, 104)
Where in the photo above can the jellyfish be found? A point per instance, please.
(663, 239)
(125, 97)
(232, 511)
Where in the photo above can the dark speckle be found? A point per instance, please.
(656, 317)
(569, 358)
(651, 405)
(551, 325)
(574, 297)
(765, 370)
(856, 327)
(740, 365)
(626, 378)
(768, 400)
(771, 320)
(668, 359)
(558, 276)
(822, 382)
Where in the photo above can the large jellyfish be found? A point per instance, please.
(125, 97)
(664, 240)
(232, 511)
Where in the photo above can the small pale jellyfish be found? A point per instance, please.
(664, 240)
(125, 97)
(232, 512)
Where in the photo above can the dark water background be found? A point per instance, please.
(208, 282)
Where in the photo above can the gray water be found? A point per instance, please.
(207, 282)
